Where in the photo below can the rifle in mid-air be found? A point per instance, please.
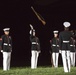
(39, 16)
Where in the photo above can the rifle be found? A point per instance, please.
(39, 16)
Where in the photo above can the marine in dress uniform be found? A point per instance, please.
(35, 48)
(72, 51)
(55, 49)
(6, 48)
(64, 42)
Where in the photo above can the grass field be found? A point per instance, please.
(38, 71)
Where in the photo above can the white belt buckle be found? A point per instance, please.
(7, 44)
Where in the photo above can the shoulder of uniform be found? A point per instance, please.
(52, 39)
(2, 36)
(57, 38)
(61, 32)
(0, 39)
(9, 36)
(37, 37)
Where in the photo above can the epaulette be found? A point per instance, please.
(0, 39)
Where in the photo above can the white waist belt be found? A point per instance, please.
(65, 41)
(34, 43)
(72, 45)
(7, 44)
(55, 45)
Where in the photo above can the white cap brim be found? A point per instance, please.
(6, 29)
(55, 32)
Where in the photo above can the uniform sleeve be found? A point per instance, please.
(51, 42)
(11, 42)
(60, 41)
(39, 45)
(72, 35)
(1, 42)
(31, 34)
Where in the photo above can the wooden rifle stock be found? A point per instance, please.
(39, 16)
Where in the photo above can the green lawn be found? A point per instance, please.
(38, 71)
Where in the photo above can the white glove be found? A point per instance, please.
(30, 31)
(1, 51)
(60, 51)
(31, 26)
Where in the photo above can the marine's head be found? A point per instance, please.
(55, 33)
(66, 25)
(6, 31)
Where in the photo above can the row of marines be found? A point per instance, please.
(65, 45)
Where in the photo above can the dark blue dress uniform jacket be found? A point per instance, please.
(34, 47)
(55, 42)
(65, 36)
(72, 45)
(6, 43)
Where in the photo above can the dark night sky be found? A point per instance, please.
(17, 15)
